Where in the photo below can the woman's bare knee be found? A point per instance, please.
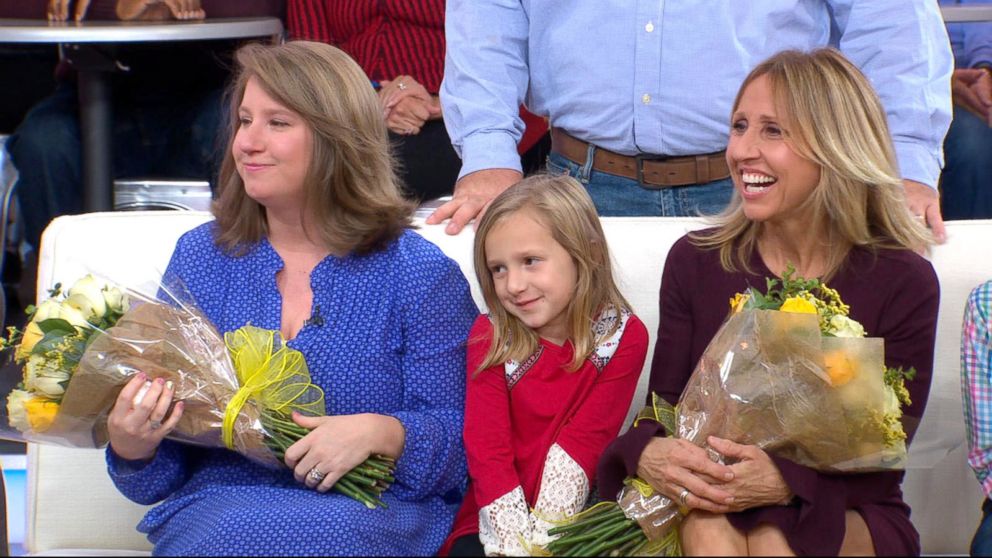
(857, 537)
(709, 534)
(768, 540)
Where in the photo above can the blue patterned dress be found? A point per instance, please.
(392, 342)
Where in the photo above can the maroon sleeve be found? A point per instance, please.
(244, 8)
(670, 369)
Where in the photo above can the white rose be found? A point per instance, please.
(74, 316)
(87, 296)
(116, 299)
(17, 413)
(42, 376)
(842, 326)
(50, 309)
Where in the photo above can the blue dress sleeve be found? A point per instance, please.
(437, 314)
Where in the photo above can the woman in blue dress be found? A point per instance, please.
(312, 238)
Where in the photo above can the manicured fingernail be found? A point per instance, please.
(159, 381)
(168, 385)
(728, 476)
(142, 375)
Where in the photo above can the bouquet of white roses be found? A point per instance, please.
(238, 390)
(789, 371)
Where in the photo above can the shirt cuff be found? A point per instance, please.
(161, 466)
(489, 150)
(918, 163)
(431, 458)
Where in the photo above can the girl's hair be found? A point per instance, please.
(353, 201)
(833, 118)
(563, 206)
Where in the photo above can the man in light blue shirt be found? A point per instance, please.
(966, 184)
(627, 82)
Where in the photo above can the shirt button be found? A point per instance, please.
(646, 98)
(649, 27)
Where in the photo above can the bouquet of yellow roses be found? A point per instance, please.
(238, 390)
(781, 361)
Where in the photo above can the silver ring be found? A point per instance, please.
(316, 475)
(401, 85)
(682, 496)
(920, 216)
(156, 424)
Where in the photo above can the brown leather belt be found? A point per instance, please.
(650, 171)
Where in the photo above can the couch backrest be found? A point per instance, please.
(72, 503)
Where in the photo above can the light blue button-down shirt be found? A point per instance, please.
(660, 76)
(972, 41)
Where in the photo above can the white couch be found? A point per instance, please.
(72, 504)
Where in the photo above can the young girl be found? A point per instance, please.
(551, 370)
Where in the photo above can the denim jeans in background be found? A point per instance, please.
(966, 182)
(616, 196)
(169, 136)
(981, 544)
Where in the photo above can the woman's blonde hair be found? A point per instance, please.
(563, 206)
(353, 200)
(833, 118)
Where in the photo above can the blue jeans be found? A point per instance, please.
(965, 183)
(172, 139)
(616, 196)
(981, 544)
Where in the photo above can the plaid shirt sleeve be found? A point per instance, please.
(976, 382)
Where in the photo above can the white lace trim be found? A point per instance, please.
(564, 490)
(505, 525)
(605, 349)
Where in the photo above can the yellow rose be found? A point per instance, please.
(839, 368)
(842, 326)
(737, 303)
(798, 305)
(41, 413)
(32, 334)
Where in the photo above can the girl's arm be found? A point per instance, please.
(504, 516)
(570, 465)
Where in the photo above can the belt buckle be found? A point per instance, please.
(639, 163)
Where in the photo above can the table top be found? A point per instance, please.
(971, 13)
(38, 31)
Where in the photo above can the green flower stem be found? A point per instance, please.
(594, 519)
(602, 546)
(589, 534)
(365, 483)
(600, 541)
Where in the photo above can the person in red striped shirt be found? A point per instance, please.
(400, 45)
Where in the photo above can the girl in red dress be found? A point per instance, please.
(551, 370)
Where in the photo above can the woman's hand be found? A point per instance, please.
(407, 105)
(671, 466)
(140, 418)
(336, 445)
(410, 115)
(757, 481)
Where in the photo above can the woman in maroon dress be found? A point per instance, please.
(817, 188)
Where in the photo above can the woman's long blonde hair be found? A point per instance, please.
(353, 201)
(834, 119)
(562, 205)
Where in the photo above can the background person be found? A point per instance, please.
(312, 239)
(965, 184)
(976, 385)
(800, 199)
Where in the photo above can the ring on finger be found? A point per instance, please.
(682, 497)
(315, 475)
(155, 424)
(401, 85)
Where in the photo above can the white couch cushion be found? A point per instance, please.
(72, 503)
